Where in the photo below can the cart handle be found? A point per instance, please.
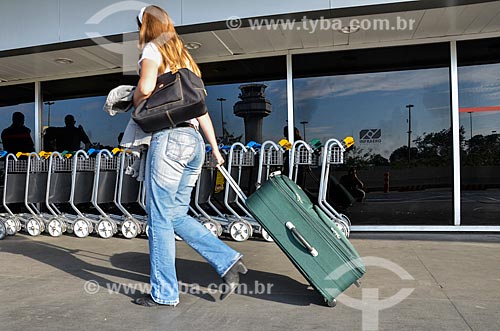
(302, 240)
(44, 154)
(19, 154)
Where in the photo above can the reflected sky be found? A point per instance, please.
(339, 106)
(479, 86)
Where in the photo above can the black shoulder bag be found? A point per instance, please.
(177, 97)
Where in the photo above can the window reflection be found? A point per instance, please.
(101, 129)
(382, 111)
(27, 109)
(479, 91)
(17, 99)
(221, 101)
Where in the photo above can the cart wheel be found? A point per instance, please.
(11, 226)
(240, 231)
(346, 220)
(81, 228)
(347, 224)
(55, 227)
(331, 303)
(266, 235)
(19, 225)
(250, 227)
(130, 229)
(91, 226)
(219, 229)
(342, 227)
(3, 230)
(33, 227)
(106, 228)
(212, 227)
(146, 230)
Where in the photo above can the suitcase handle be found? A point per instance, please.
(232, 182)
(302, 240)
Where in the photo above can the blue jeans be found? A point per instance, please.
(174, 162)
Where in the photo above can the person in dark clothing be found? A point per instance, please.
(70, 137)
(296, 133)
(353, 184)
(17, 137)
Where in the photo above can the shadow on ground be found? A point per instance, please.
(134, 267)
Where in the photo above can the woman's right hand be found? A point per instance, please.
(217, 156)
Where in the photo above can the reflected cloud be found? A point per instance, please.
(384, 82)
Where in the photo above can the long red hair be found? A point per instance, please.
(157, 27)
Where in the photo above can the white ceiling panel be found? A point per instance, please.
(210, 45)
(428, 23)
(493, 25)
(487, 12)
(228, 41)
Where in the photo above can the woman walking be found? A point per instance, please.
(174, 162)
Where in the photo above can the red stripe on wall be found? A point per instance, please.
(478, 109)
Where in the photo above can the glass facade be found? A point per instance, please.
(221, 103)
(17, 98)
(479, 96)
(383, 111)
(101, 129)
(394, 101)
(83, 98)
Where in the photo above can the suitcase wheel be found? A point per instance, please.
(266, 236)
(331, 303)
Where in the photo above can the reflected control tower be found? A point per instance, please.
(253, 107)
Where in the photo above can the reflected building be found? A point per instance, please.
(253, 107)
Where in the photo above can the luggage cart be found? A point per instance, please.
(241, 227)
(58, 192)
(302, 154)
(5, 218)
(104, 191)
(272, 156)
(333, 154)
(82, 177)
(204, 188)
(13, 192)
(35, 192)
(128, 190)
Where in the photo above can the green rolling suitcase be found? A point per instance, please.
(306, 235)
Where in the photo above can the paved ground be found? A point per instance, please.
(456, 282)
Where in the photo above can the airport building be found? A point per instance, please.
(416, 83)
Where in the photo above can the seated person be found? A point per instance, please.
(353, 184)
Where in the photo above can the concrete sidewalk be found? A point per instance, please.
(68, 283)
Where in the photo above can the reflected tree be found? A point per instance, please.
(483, 151)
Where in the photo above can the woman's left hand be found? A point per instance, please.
(218, 156)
